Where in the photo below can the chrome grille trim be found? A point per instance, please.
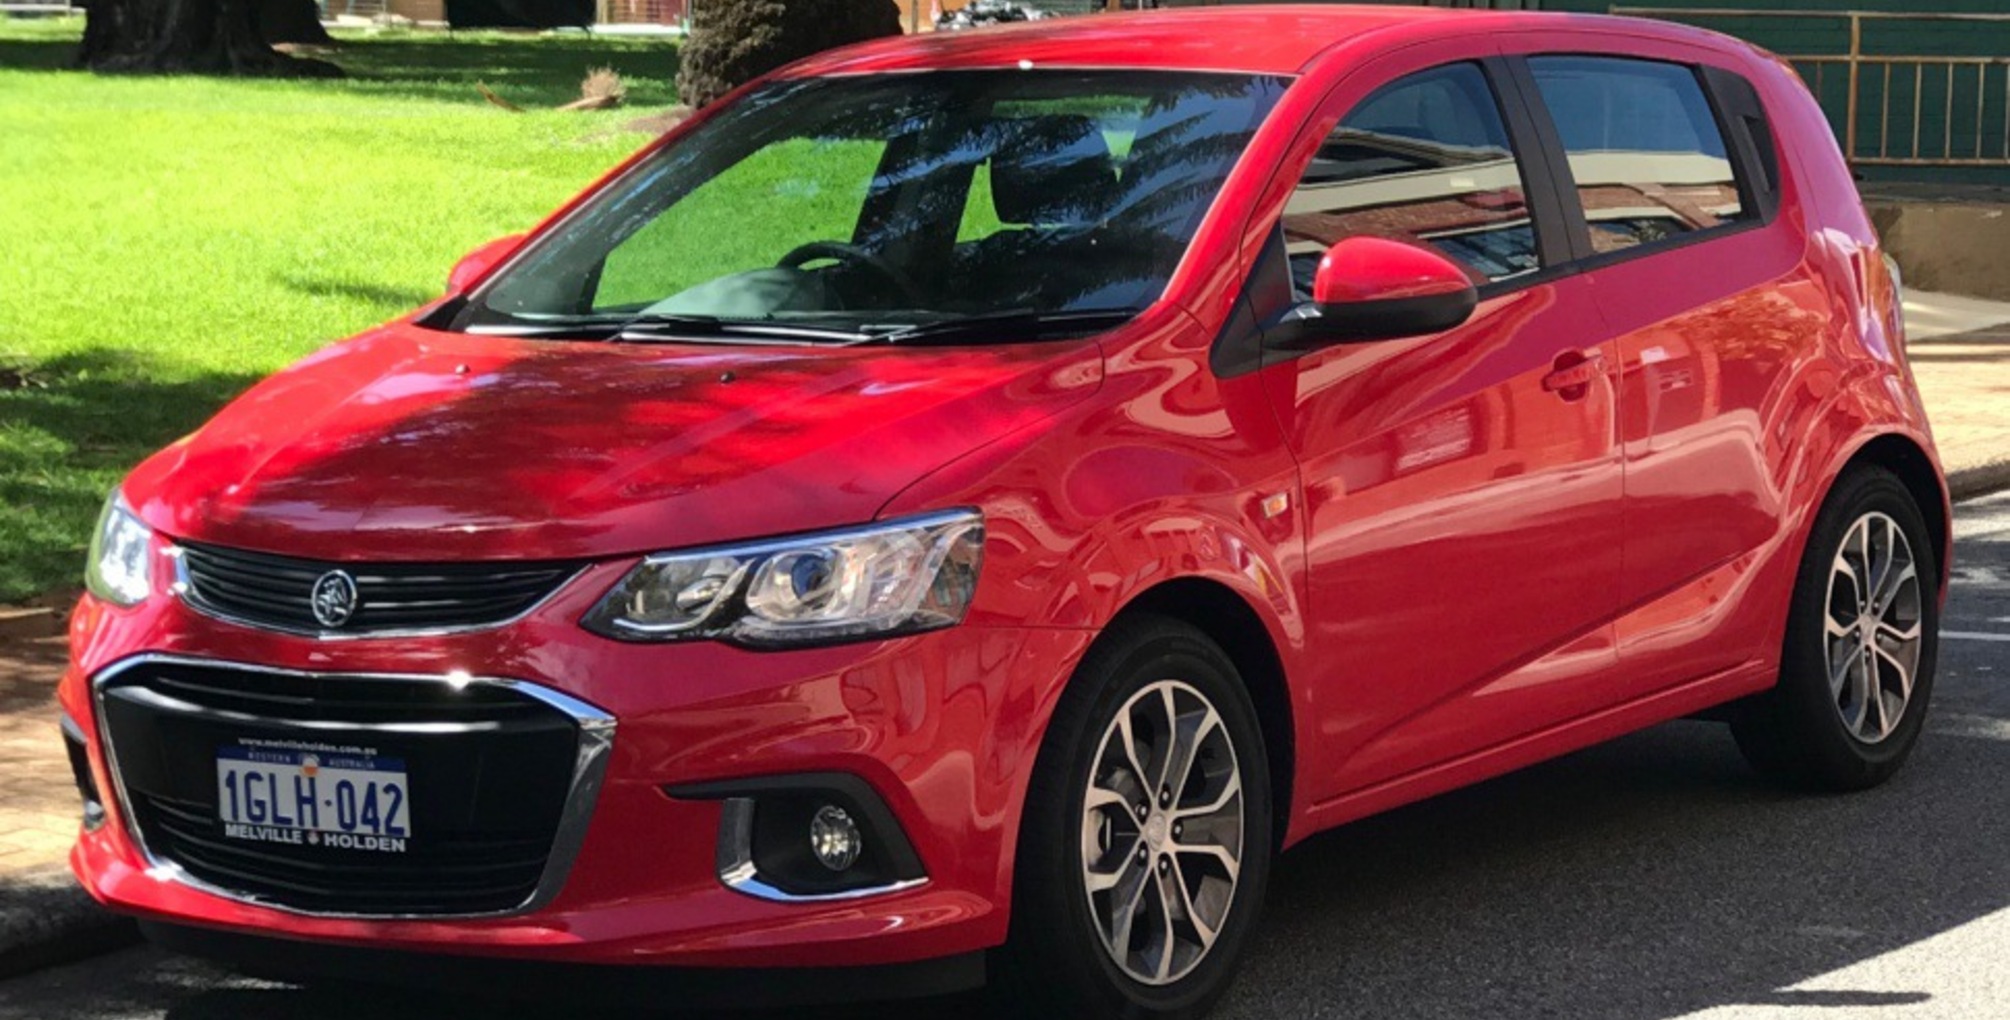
(595, 747)
(420, 600)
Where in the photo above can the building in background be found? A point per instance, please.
(920, 14)
(644, 12)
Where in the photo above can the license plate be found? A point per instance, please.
(338, 798)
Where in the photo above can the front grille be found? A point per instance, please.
(490, 770)
(472, 876)
(277, 591)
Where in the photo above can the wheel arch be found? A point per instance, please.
(1228, 620)
(1905, 458)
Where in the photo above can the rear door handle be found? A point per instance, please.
(1573, 373)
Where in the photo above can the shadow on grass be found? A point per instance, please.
(377, 294)
(532, 71)
(38, 55)
(70, 427)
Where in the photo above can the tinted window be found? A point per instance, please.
(882, 201)
(1644, 146)
(1427, 159)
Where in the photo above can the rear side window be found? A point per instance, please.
(1645, 148)
(1425, 159)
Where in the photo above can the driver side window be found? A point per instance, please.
(1424, 159)
(779, 198)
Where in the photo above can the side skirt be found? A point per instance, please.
(1673, 703)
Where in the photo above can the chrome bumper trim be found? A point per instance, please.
(738, 873)
(596, 741)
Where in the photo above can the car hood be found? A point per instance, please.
(408, 444)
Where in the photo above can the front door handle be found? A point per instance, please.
(1573, 373)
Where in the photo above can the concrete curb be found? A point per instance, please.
(48, 921)
(1981, 480)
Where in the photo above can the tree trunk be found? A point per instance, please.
(185, 37)
(291, 21)
(735, 41)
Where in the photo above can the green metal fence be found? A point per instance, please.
(1912, 89)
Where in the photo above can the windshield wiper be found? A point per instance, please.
(660, 328)
(1016, 325)
(1009, 326)
(663, 327)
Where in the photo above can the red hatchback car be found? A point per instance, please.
(961, 506)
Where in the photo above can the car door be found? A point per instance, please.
(1461, 491)
(1673, 174)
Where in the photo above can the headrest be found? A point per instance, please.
(1053, 170)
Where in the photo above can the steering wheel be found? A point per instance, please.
(852, 254)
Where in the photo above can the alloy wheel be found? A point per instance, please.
(1873, 627)
(1163, 832)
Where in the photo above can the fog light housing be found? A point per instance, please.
(820, 836)
(835, 838)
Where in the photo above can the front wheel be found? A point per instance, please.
(1146, 843)
(1857, 670)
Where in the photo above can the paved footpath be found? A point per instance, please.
(44, 917)
(38, 804)
(1960, 350)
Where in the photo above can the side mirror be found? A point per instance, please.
(476, 264)
(1375, 288)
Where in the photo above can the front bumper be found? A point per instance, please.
(941, 727)
(571, 988)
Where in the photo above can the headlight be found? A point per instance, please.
(120, 570)
(895, 578)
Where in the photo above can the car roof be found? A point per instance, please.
(1262, 39)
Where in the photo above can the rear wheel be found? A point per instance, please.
(1146, 843)
(1857, 669)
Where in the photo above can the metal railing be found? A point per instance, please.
(1933, 86)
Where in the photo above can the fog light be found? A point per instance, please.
(835, 838)
(808, 836)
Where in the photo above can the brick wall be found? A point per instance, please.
(418, 10)
(660, 12)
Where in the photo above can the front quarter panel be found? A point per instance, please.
(1163, 476)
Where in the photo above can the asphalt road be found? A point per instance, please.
(1648, 879)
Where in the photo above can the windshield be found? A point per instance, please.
(874, 205)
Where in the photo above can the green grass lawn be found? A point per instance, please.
(165, 242)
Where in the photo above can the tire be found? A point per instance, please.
(1058, 962)
(1819, 728)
